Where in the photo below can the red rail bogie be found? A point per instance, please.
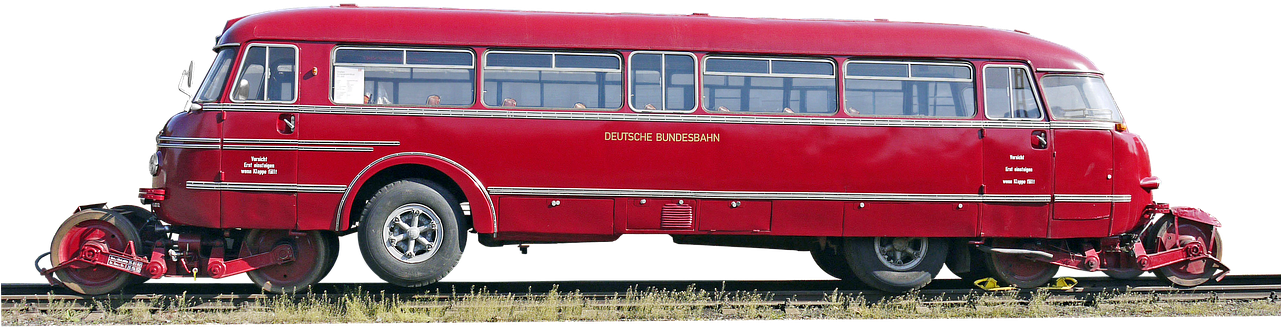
(824, 171)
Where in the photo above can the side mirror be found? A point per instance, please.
(188, 78)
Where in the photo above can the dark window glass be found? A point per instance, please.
(442, 58)
(803, 67)
(584, 61)
(940, 71)
(280, 82)
(724, 65)
(252, 74)
(655, 76)
(363, 56)
(406, 84)
(561, 87)
(877, 70)
(267, 74)
(909, 98)
(532, 60)
(211, 88)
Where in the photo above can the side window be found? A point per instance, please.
(404, 77)
(1008, 93)
(216, 79)
(663, 81)
(557, 80)
(267, 74)
(909, 89)
(769, 85)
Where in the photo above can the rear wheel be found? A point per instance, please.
(89, 225)
(895, 264)
(832, 262)
(410, 234)
(1162, 237)
(313, 258)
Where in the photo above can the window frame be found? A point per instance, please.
(662, 81)
(973, 80)
(195, 98)
(484, 67)
(836, 82)
(244, 55)
(1035, 87)
(333, 64)
(1052, 73)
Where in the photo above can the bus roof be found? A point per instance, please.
(490, 28)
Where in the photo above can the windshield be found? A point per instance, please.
(1079, 97)
(216, 79)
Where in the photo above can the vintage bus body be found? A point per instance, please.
(884, 148)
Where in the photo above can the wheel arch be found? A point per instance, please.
(459, 181)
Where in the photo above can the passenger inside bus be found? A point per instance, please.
(433, 100)
(509, 102)
(382, 98)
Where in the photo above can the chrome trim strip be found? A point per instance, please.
(187, 139)
(296, 148)
(188, 146)
(265, 187)
(271, 144)
(838, 196)
(621, 116)
(1068, 70)
(749, 195)
(1092, 198)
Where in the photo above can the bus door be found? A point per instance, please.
(1083, 165)
(1017, 157)
(259, 148)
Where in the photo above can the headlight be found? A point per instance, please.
(155, 164)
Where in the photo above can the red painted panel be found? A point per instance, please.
(1082, 166)
(1015, 220)
(184, 206)
(258, 209)
(646, 214)
(808, 218)
(556, 216)
(930, 219)
(1079, 228)
(723, 215)
(1011, 166)
(1132, 165)
(319, 208)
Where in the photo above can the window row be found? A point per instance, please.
(659, 81)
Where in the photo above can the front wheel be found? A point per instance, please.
(1162, 237)
(896, 264)
(409, 233)
(93, 225)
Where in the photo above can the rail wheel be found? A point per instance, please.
(1123, 274)
(895, 264)
(1190, 273)
(1016, 270)
(409, 233)
(139, 217)
(313, 258)
(85, 226)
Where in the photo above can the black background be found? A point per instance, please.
(91, 86)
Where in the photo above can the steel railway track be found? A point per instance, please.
(781, 294)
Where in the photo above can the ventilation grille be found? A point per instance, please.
(677, 216)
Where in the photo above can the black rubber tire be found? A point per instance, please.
(860, 254)
(332, 239)
(978, 265)
(832, 262)
(385, 202)
(139, 218)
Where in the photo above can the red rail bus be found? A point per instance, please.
(888, 150)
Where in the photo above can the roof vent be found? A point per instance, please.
(348, 5)
(703, 14)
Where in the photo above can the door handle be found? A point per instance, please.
(1039, 140)
(286, 124)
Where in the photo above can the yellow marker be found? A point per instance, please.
(193, 273)
(1062, 284)
(990, 284)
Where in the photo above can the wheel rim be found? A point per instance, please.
(82, 233)
(1187, 270)
(289, 274)
(901, 253)
(1018, 270)
(412, 233)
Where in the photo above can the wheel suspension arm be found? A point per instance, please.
(1193, 250)
(219, 268)
(97, 253)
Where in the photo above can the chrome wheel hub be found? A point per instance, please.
(412, 233)
(901, 253)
